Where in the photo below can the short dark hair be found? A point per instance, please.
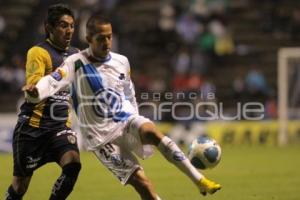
(55, 12)
(94, 20)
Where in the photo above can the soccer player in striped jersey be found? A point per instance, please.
(43, 132)
(104, 99)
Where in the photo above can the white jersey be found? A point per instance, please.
(102, 92)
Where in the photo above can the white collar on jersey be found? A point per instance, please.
(97, 59)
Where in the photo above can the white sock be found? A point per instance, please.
(173, 154)
(158, 198)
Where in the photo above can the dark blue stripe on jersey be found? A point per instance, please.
(121, 116)
(95, 81)
(74, 98)
(93, 77)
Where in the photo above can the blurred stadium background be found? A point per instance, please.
(229, 48)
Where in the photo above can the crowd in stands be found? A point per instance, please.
(202, 36)
(281, 21)
(196, 36)
(12, 75)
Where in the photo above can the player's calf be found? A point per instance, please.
(173, 154)
(65, 183)
(150, 135)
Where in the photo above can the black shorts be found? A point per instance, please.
(34, 147)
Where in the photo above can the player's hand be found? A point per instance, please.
(31, 90)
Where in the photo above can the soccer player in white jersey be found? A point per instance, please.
(105, 103)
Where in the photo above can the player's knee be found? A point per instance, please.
(69, 157)
(149, 134)
(20, 184)
(74, 157)
(20, 190)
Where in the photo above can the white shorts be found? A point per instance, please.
(118, 155)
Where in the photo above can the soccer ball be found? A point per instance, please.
(204, 152)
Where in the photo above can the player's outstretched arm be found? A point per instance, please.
(50, 84)
(46, 87)
(36, 93)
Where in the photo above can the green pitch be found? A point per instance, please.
(246, 173)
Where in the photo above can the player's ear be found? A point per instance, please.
(48, 28)
(88, 38)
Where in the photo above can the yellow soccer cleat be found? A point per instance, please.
(208, 186)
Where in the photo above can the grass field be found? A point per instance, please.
(246, 173)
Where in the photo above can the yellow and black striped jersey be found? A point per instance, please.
(53, 112)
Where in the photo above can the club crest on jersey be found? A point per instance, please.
(116, 159)
(71, 139)
(122, 76)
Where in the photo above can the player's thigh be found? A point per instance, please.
(69, 157)
(118, 159)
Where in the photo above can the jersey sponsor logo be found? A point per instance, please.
(60, 96)
(107, 103)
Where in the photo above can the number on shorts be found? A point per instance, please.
(107, 150)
